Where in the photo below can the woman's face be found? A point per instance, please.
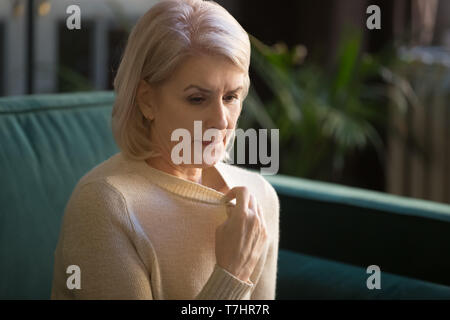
(203, 88)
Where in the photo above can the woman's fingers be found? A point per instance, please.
(261, 216)
(242, 197)
(265, 231)
(252, 203)
(240, 239)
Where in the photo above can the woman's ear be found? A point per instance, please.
(144, 100)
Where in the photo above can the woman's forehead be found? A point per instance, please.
(208, 74)
(207, 64)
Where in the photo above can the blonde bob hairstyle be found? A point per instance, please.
(169, 32)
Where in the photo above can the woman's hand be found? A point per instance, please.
(241, 238)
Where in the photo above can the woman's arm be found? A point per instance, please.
(96, 236)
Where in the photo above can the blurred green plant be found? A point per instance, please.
(322, 115)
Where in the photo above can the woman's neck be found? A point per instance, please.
(191, 174)
(208, 177)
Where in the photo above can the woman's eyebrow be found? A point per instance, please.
(198, 87)
(208, 91)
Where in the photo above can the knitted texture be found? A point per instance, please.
(136, 232)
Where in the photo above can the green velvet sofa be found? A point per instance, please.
(329, 234)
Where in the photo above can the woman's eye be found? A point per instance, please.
(230, 98)
(196, 99)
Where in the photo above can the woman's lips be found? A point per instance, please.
(206, 142)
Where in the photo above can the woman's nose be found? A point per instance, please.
(217, 117)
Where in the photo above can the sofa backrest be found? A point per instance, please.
(403, 236)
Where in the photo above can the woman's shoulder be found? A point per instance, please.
(108, 182)
(117, 172)
(109, 167)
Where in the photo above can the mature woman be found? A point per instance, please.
(142, 226)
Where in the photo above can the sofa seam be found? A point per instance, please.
(49, 108)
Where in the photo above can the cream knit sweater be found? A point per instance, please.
(137, 232)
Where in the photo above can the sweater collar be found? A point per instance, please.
(182, 187)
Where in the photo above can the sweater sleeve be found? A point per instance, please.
(223, 285)
(266, 286)
(97, 236)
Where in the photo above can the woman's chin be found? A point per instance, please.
(209, 159)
